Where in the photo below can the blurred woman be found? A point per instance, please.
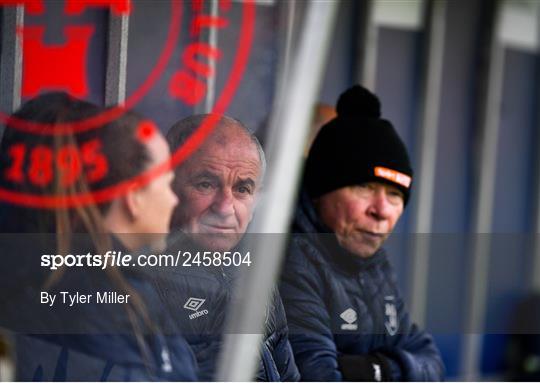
(77, 337)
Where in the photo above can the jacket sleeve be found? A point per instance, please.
(283, 353)
(310, 330)
(411, 353)
(288, 369)
(415, 357)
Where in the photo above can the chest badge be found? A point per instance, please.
(390, 312)
(350, 317)
(194, 304)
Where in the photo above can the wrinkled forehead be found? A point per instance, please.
(231, 135)
(229, 142)
(385, 184)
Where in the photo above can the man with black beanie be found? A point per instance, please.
(347, 320)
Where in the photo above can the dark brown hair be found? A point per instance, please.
(126, 157)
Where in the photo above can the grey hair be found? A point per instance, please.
(183, 129)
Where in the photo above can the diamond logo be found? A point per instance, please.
(194, 303)
(348, 316)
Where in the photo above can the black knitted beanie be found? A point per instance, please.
(357, 147)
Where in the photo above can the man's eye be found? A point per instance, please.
(366, 186)
(244, 190)
(395, 193)
(395, 197)
(204, 185)
(365, 189)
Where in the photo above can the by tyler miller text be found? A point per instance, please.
(75, 298)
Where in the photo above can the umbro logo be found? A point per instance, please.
(194, 304)
(350, 317)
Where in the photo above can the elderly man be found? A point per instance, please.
(217, 187)
(346, 317)
(218, 184)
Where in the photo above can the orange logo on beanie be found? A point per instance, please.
(394, 176)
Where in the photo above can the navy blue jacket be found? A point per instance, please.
(339, 305)
(203, 323)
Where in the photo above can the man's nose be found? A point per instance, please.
(224, 203)
(380, 206)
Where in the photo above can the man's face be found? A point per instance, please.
(363, 216)
(217, 188)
